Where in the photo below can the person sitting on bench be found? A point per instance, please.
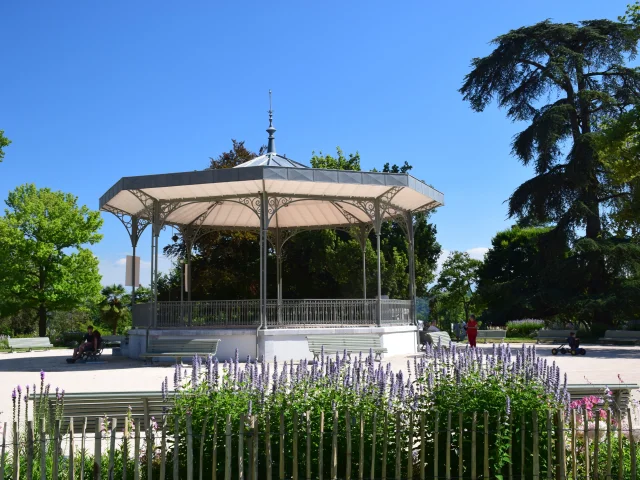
(89, 344)
(433, 327)
(573, 341)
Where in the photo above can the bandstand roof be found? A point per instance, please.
(302, 197)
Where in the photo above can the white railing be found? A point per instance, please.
(287, 313)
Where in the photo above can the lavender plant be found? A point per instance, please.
(509, 385)
(524, 328)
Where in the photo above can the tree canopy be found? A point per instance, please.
(566, 81)
(516, 280)
(44, 263)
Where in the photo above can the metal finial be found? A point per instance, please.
(271, 146)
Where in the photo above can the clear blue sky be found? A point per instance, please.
(93, 91)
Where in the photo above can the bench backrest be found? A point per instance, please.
(187, 345)
(111, 404)
(621, 392)
(492, 333)
(435, 337)
(337, 343)
(554, 333)
(625, 334)
(29, 342)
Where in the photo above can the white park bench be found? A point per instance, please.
(553, 336)
(33, 343)
(631, 337)
(350, 343)
(620, 392)
(491, 335)
(179, 347)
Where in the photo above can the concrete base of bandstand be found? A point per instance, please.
(283, 343)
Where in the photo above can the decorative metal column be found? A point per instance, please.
(134, 243)
(135, 226)
(360, 231)
(378, 228)
(191, 233)
(279, 272)
(363, 236)
(156, 227)
(158, 213)
(264, 227)
(412, 266)
(278, 238)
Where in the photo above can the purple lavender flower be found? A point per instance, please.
(194, 371)
(508, 409)
(42, 375)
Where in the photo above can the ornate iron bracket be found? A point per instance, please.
(155, 210)
(135, 225)
(426, 207)
(376, 209)
(194, 231)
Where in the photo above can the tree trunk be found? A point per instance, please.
(42, 321)
(466, 308)
(598, 282)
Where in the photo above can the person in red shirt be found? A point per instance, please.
(472, 330)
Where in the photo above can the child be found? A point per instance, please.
(573, 341)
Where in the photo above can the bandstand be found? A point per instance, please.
(278, 198)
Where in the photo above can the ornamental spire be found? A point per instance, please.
(271, 146)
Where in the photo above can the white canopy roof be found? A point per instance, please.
(300, 197)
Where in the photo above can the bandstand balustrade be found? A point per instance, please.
(283, 314)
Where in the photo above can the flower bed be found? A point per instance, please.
(465, 412)
(524, 328)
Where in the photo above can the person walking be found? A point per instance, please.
(472, 330)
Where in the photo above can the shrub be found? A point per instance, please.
(524, 328)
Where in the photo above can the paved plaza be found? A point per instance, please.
(600, 365)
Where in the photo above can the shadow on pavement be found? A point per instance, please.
(56, 362)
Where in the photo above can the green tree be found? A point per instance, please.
(336, 163)
(579, 69)
(44, 265)
(619, 146)
(516, 280)
(113, 307)
(143, 295)
(4, 142)
(457, 282)
(234, 157)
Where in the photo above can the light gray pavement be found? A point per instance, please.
(600, 365)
